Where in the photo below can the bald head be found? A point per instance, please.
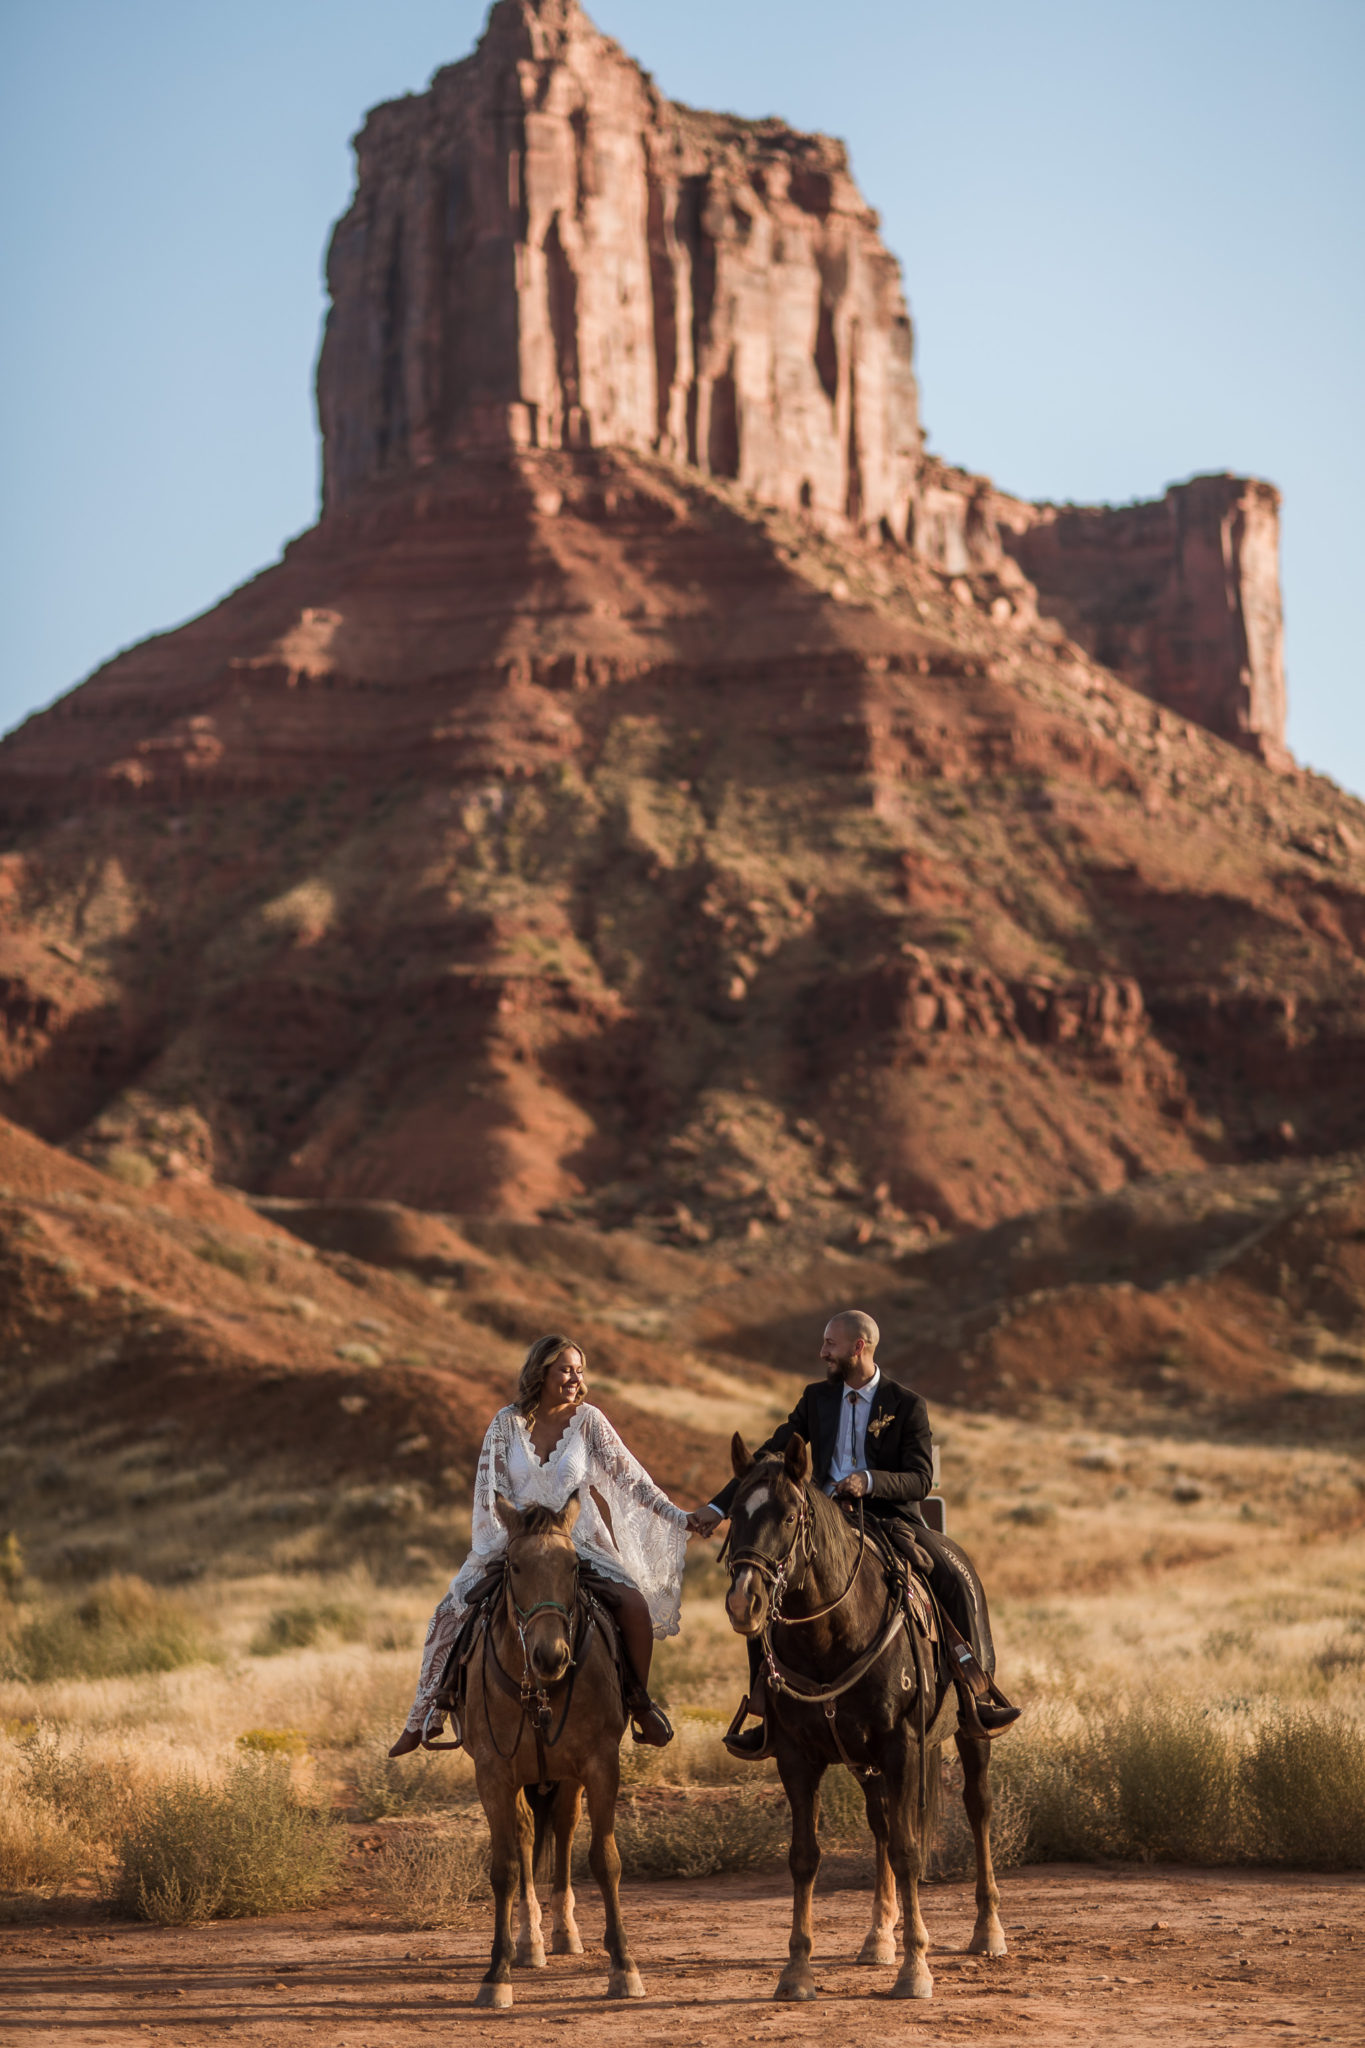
(850, 1346)
(858, 1324)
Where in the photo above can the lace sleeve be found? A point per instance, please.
(624, 1473)
(491, 1479)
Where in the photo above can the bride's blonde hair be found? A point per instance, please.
(539, 1359)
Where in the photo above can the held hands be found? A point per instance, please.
(853, 1488)
(704, 1521)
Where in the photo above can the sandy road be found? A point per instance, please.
(1112, 1957)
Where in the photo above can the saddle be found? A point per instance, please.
(598, 1595)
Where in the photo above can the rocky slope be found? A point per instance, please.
(629, 833)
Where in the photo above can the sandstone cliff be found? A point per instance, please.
(544, 252)
(580, 820)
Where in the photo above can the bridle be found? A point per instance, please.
(776, 1573)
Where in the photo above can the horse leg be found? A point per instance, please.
(565, 1939)
(988, 1936)
(880, 1945)
(530, 1941)
(601, 1782)
(499, 1804)
(801, 1782)
(907, 1860)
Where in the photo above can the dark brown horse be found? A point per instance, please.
(543, 1708)
(846, 1684)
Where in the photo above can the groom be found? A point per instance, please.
(870, 1440)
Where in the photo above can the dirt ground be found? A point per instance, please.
(1117, 1955)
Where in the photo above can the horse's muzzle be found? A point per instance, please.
(550, 1661)
(746, 1603)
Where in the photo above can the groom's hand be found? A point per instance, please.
(704, 1521)
(854, 1487)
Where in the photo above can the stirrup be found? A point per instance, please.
(969, 1712)
(438, 1712)
(640, 1710)
(740, 1741)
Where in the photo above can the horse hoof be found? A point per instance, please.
(625, 1984)
(913, 1987)
(988, 1941)
(791, 1994)
(531, 1958)
(875, 1950)
(496, 1995)
(562, 1944)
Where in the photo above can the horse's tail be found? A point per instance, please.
(541, 1800)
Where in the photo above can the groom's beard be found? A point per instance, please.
(835, 1373)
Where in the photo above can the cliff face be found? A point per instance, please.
(657, 790)
(1180, 597)
(544, 252)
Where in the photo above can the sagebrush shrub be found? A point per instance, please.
(193, 1851)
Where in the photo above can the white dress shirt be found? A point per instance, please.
(850, 1445)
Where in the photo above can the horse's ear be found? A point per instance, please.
(741, 1457)
(796, 1458)
(569, 1513)
(509, 1516)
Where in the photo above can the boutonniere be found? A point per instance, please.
(876, 1428)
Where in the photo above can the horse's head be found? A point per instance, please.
(542, 1585)
(768, 1516)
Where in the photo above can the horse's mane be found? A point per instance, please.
(539, 1521)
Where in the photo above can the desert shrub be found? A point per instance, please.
(37, 1851)
(1304, 1776)
(1154, 1780)
(298, 1628)
(430, 1875)
(133, 1168)
(120, 1628)
(382, 1789)
(687, 1834)
(231, 1257)
(193, 1851)
(91, 1796)
(274, 1741)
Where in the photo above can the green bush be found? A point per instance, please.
(248, 1846)
(298, 1628)
(120, 1628)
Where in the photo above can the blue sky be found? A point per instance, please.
(1130, 230)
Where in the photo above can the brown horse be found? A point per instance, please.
(846, 1683)
(543, 1709)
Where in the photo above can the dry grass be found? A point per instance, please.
(120, 1628)
(430, 1874)
(1193, 1672)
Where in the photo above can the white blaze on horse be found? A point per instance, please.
(849, 1680)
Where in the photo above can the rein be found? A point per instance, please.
(533, 1698)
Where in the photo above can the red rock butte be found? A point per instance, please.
(657, 791)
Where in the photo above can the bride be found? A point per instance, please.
(547, 1447)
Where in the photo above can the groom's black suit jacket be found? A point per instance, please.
(898, 1454)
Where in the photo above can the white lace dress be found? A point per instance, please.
(643, 1545)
